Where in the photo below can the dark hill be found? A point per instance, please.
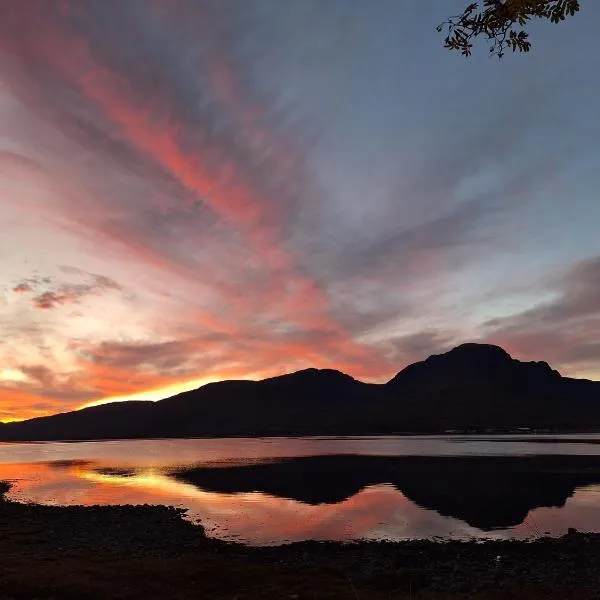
(479, 386)
(474, 365)
(472, 387)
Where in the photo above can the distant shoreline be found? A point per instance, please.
(151, 552)
(499, 436)
(487, 436)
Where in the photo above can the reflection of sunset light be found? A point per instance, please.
(150, 479)
(257, 517)
(375, 512)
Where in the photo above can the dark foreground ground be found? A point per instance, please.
(151, 553)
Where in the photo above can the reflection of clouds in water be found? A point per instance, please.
(581, 511)
(176, 452)
(376, 512)
(182, 452)
(45, 484)
(97, 473)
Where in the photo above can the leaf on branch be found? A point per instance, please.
(500, 21)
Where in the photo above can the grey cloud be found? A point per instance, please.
(414, 347)
(566, 329)
(41, 374)
(387, 271)
(461, 226)
(425, 231)
(578, 298)
(22, 288)
(161, 357)
(49, 385)
(61, 293)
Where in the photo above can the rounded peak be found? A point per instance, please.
(478, 349)
(465, 357)
(314, 372)
(310, 376)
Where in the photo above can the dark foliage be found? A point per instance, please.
(502, 23)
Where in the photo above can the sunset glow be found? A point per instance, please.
(158, 394)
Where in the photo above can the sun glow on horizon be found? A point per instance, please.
(158, 394)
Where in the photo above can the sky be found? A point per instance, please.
(196, 190)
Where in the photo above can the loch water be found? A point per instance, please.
(264, 491)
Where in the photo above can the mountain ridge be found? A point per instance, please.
(472, 387)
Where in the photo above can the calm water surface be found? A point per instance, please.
(424, 504)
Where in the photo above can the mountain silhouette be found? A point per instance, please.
(474, 387)
(485, 492)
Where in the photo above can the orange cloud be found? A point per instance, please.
(22, 288)
(257, 309)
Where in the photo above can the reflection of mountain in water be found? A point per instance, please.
(485, 492)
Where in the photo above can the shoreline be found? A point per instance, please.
(545, 437)
(153, 552)
(553, 435)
